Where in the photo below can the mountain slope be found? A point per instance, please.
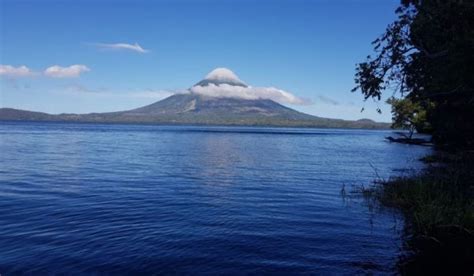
(200, 105)
(203, 110)
(224, 100)
(11, 114)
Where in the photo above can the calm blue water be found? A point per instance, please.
(124, 199)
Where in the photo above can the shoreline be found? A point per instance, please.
(437, 204)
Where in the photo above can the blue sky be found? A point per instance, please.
(308, 48)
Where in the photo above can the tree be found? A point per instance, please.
(427, 57)
(408, 115)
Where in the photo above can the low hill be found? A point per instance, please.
(202, 109)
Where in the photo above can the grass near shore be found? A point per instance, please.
(439, 209)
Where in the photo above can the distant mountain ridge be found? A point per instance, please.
(194, 108)
(200, 110)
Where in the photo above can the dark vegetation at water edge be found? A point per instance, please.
(438, 203)
(427, 58)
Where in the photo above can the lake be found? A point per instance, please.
(142, 199)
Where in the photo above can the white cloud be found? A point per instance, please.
(222, 74)
(249, 93)
(72, 71)
(14, 72)
(122, 46)
(55, 71)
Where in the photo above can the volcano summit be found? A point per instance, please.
(221, 98)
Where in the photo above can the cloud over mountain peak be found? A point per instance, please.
(222, 74)
(223, 83)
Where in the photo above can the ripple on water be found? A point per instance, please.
(84, 198)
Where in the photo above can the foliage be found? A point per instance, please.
(408, 115)
(440, 210)
(427, 56)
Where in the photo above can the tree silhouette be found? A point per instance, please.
(427, 57)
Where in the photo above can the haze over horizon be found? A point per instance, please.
(95, 56)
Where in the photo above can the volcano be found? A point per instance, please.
(221, 98)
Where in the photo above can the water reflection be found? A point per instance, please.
(144, 199)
